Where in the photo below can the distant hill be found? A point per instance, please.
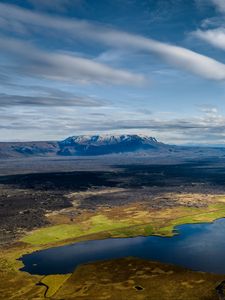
(22, 149)
(82, 145)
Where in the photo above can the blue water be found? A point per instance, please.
(197, 246)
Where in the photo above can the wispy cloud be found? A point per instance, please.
(219, 4)
(212, 29)
(176, 56)
(180, 57)
(53, 5)
(62, 66)
(7, 100)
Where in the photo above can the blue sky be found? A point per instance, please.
(155, 67)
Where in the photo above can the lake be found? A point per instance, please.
(198, 247)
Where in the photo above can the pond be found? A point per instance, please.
(198, 247)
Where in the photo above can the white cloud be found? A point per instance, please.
(180, 57)
(176, 56)
(215, 37)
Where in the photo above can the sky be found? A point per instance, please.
(153, 67)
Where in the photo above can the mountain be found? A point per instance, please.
(81, 145)
(106, 144)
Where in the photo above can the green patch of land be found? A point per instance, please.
(57, 233)
(160, 222)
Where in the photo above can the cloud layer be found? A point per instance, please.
(209, 125)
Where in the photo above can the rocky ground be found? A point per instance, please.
(23, 210)
(26, 199)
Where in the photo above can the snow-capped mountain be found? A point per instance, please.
(82, 145)
(106, 144)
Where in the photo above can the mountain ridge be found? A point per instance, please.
(82, 145)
